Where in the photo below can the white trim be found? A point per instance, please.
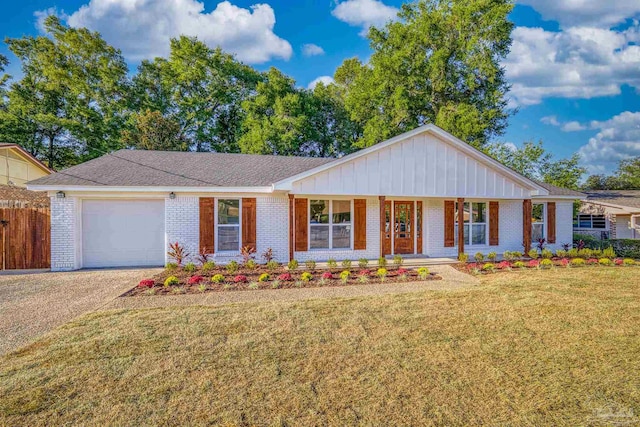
(330, 224)
(286, 184)
(469, 243)
(216, 226)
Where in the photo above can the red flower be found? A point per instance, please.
(146, 283)
(240, 279)
(402, 271)
(564, 262)
(363, 273)
(534, 263)
(286, 277)
(592, 261)
(327, 275)
(502, 265)
(618, 261)
(194, 280)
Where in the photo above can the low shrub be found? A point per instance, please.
(208, 266)
(267, 255)
(479, 257)
(617, 261)
(573, 253)
(146, 283)
(254, 286)
(565, 262)
(190, 268)
(397, 260)
(533, 254)
(264, 277)
(293, 265)
(463, 257)
(344, 276)
(577, 262)
(232, 267)
(327, 275)
(592, 261)
(517, 255)
(202, 287)
(251, 264)
(546, 254)
(503, 265)
(423, 273)
(403, 274)
(240, 278)
(546, 263)
(275, 284)
(534, 263)
(605, 261)
(195, 280)
(518, 264)
(381, 273)
(346, 263)
(363, 278)
(508, 255)
(490, 267)
(609, 253)
(332, 263)
(585, 253)
(310, 264)
(628, 262)
(171, 266)
(363, 263)
(306, 277)
(217, 278)
(492, 256)
(382, 262)
(285, 277)
(272, 265)
(171, 281)
(561, 253)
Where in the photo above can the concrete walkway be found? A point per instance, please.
(451, 279)
(33, 304)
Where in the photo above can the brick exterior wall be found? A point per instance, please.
(65, 237)
(182, 224)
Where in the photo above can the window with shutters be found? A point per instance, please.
(228, 225)
(330, 224)
(538, 216)
(475, 223)
(597, 222)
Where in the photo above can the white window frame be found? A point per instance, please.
(578, 227)
(217, 226)
(468, 242)
(330, 224)
(544, 222)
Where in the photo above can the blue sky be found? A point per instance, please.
(574, 65)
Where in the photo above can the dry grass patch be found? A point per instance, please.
(533, 348)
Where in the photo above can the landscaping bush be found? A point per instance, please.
(381, 273)
(463, 257)
(171, 266)
(504, 265)
(306, 277)
(423, 273)
(490, 267)
(195, 280)
(232, 267)
(292, 265)
(327, 275)
(177, 252)
(564, 262)
(346, 263)
(267, 255)
(253, 286)
(251, 264)
(479, 257)
(285, 277)
(190, 268)
(533, 254)
(397, 260)
(518, 264)
(363, 263)
(491, 256)
(310, 264)
(605, 261)
(272, 265)
(517, 255)
(382, 262)
(546, 254)
(628, 262)
(402, 274)
(561, 253)
(208, 266)
(608, 253)
(331, 263)
(264, 277)
(240, 278)
(534, 263)
(508, 255)
(217, 278)
(626, 248)
(275, 284)
(146, 283)
(577, 262)
(171, 281)
(247, 253)
(546, 263)
(344, 276)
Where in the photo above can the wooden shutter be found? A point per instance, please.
(449, 223)
(207, 221)
(526, 224)
(494, 221)
(249, 222)
(302, 225)
(360, 224)
(551, 222)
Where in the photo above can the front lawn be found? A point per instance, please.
(541, 347)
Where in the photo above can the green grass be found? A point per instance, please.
(557, 347)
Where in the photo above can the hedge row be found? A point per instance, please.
(625, 248)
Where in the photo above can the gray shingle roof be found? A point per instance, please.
(627, 198)
(559, 191)
(182, 169)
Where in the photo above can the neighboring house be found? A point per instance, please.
(400, 196)
(610, 214)
(17, 166)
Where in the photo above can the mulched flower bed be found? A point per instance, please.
(249, 279)
(556, 262)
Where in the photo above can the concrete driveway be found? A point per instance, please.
(33, 304)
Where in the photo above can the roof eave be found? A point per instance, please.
(150, 189)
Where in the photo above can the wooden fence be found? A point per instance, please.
(25, 238)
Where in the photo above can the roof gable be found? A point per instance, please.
(25, 155)
(421, 163)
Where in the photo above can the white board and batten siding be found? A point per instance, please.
(421, 166)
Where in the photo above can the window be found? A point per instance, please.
(228, 225)
(330, 224)
(590, 221)
(537, 222)
(475, 223)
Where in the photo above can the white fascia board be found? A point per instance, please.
(538, 190)
(111, 189)
(549, 197)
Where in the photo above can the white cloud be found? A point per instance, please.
(579, 62)
(311, 49)
(596, 13)
(364, 13)
(573, 127)
(142, 28)
(326, 80)
(618, 139)
(550, 120)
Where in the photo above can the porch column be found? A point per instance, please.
(527, 213)
(382, 224)
(291, 227)
(461, 226)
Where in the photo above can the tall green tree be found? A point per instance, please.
(626, 177)
(438, 63)
(3, 77)
(201, 88)
(534, 162)
(150, 130)
(72, 96)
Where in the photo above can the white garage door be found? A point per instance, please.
(122, 233)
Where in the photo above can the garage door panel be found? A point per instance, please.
(120, 233)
